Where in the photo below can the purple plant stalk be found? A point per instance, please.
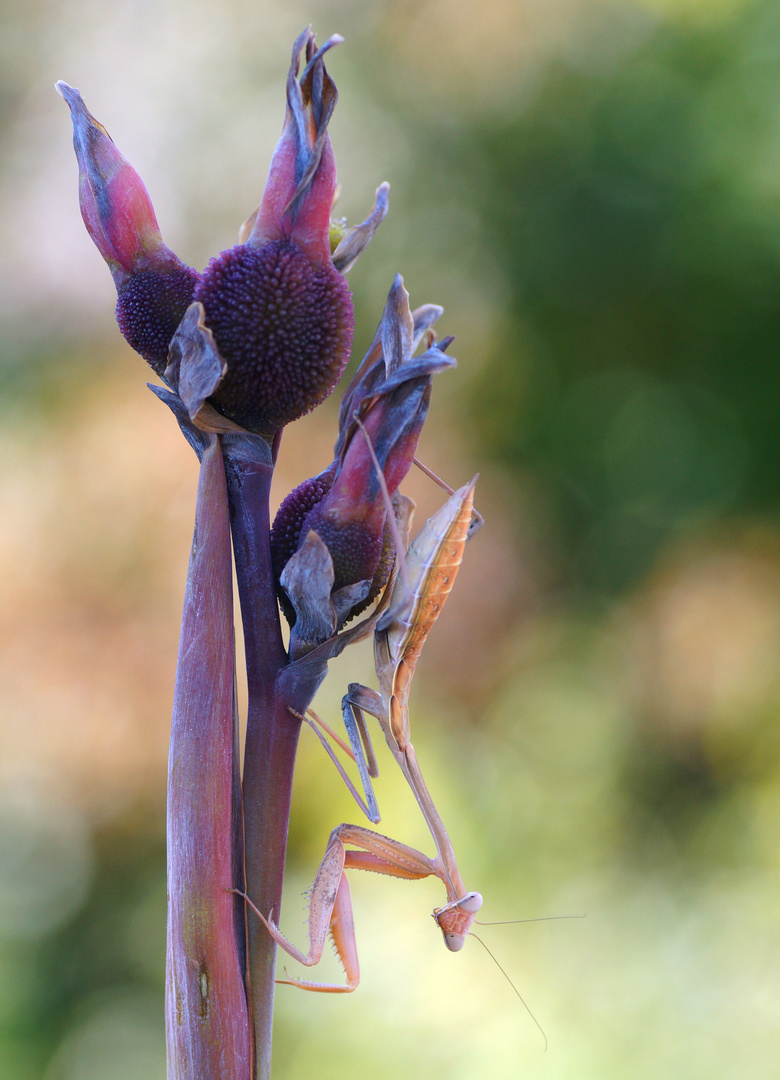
(245, 348)
(271, 728)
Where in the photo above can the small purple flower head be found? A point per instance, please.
(290, 517)
(279, 310)
(154, 286)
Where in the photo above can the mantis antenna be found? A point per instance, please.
(539, 918)
(477, 520)
(520, 996)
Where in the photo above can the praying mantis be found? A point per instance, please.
(418, 595)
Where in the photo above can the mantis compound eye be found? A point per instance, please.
(471, 903)
(454, 942)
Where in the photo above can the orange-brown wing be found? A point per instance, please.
(432, 564)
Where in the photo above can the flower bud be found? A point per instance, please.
(346, 507)
(279, 310)
(154, 286)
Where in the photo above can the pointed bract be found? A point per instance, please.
(355, 240)
(114, 203)
(301, 181)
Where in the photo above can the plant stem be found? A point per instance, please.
(272, 731)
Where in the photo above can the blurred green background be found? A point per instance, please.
(591, 188)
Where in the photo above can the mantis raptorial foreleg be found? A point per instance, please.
(330, 904)
(364, 760)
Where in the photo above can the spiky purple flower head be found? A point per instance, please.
(284, 325)
(359, 551)
(286, 529)
(276, 307)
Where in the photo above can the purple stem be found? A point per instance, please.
(272, 730)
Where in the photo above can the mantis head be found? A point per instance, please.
(456, 918)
